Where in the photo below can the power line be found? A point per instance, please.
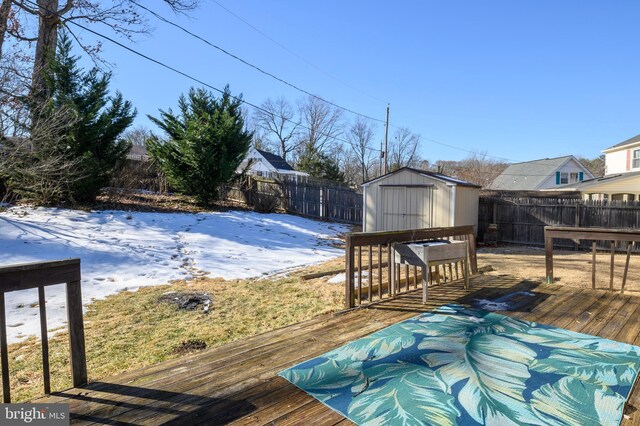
(197, 80)
(468, 150)
(239, 99)
(255, 67)
(295, 54)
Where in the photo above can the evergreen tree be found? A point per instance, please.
(206, 143)
(100, 119)
(320, 165)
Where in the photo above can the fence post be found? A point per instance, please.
(577, 222)
(494, 212)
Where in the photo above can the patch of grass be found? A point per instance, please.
(131, 330)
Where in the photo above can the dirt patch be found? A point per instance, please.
(187, 301)
(189, 346)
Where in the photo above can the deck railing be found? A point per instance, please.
(39, 275)
(374, 247)
(595, 235)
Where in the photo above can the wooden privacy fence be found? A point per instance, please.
(522, 220)
(366, 251)
(306, 197)
(629, 236)
(40, 275)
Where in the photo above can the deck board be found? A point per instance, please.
(237, 383)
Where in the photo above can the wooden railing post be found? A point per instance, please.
(6, 383)
(548, 253)
(76, 334)
(349, 281)
(39, 275)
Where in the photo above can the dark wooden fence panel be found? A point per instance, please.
(522, 220)
(307, 197)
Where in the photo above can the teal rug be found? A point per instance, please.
(463, 366)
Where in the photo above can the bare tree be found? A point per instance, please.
(5, 10)
(360, 137)
(137, 135)
(38, 168)
(276, 118)
(479, 169)
(596, 165)
(121, 16)
(322, 125)
(403, 149)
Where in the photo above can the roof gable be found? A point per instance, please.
(530, 175)
(632, 141)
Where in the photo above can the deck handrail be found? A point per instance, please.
(595, 234)
(38, 275)
(359, 240)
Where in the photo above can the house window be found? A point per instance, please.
(574, 177)
(636, 159)
(564, 178)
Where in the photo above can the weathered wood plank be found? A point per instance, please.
(237, 383)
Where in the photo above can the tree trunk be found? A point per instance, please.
(48, 23)
(5, 7)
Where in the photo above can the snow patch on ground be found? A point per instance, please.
(342, 277)
(127, 250)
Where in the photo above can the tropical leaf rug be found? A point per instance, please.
(465, 366)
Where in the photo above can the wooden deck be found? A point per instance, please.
(237, 383)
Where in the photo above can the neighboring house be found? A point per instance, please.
(547, 173)
(138, 153)
(613, 187)
(623, 157)
(621, 181)
(266, 164)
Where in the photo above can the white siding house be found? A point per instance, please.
(265, 164)
(621, 181)
(413, 199)
(547, 173)
(623, 157)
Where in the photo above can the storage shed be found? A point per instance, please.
(411, 199)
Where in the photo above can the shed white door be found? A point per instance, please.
(407, 207)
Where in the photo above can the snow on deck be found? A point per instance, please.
(127, 250)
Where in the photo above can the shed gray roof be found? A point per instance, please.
(633, 140)
(528, 176)
(275, 160)
(439, 176)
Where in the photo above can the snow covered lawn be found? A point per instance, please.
(126, 250)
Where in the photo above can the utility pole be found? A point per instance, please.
(382, 156)
(386, 144)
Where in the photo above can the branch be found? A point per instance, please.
(21, 37)
(67, 7)
(26, 9)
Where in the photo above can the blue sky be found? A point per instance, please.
(519, 80)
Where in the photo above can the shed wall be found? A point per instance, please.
(467, 207)
(406, 200)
